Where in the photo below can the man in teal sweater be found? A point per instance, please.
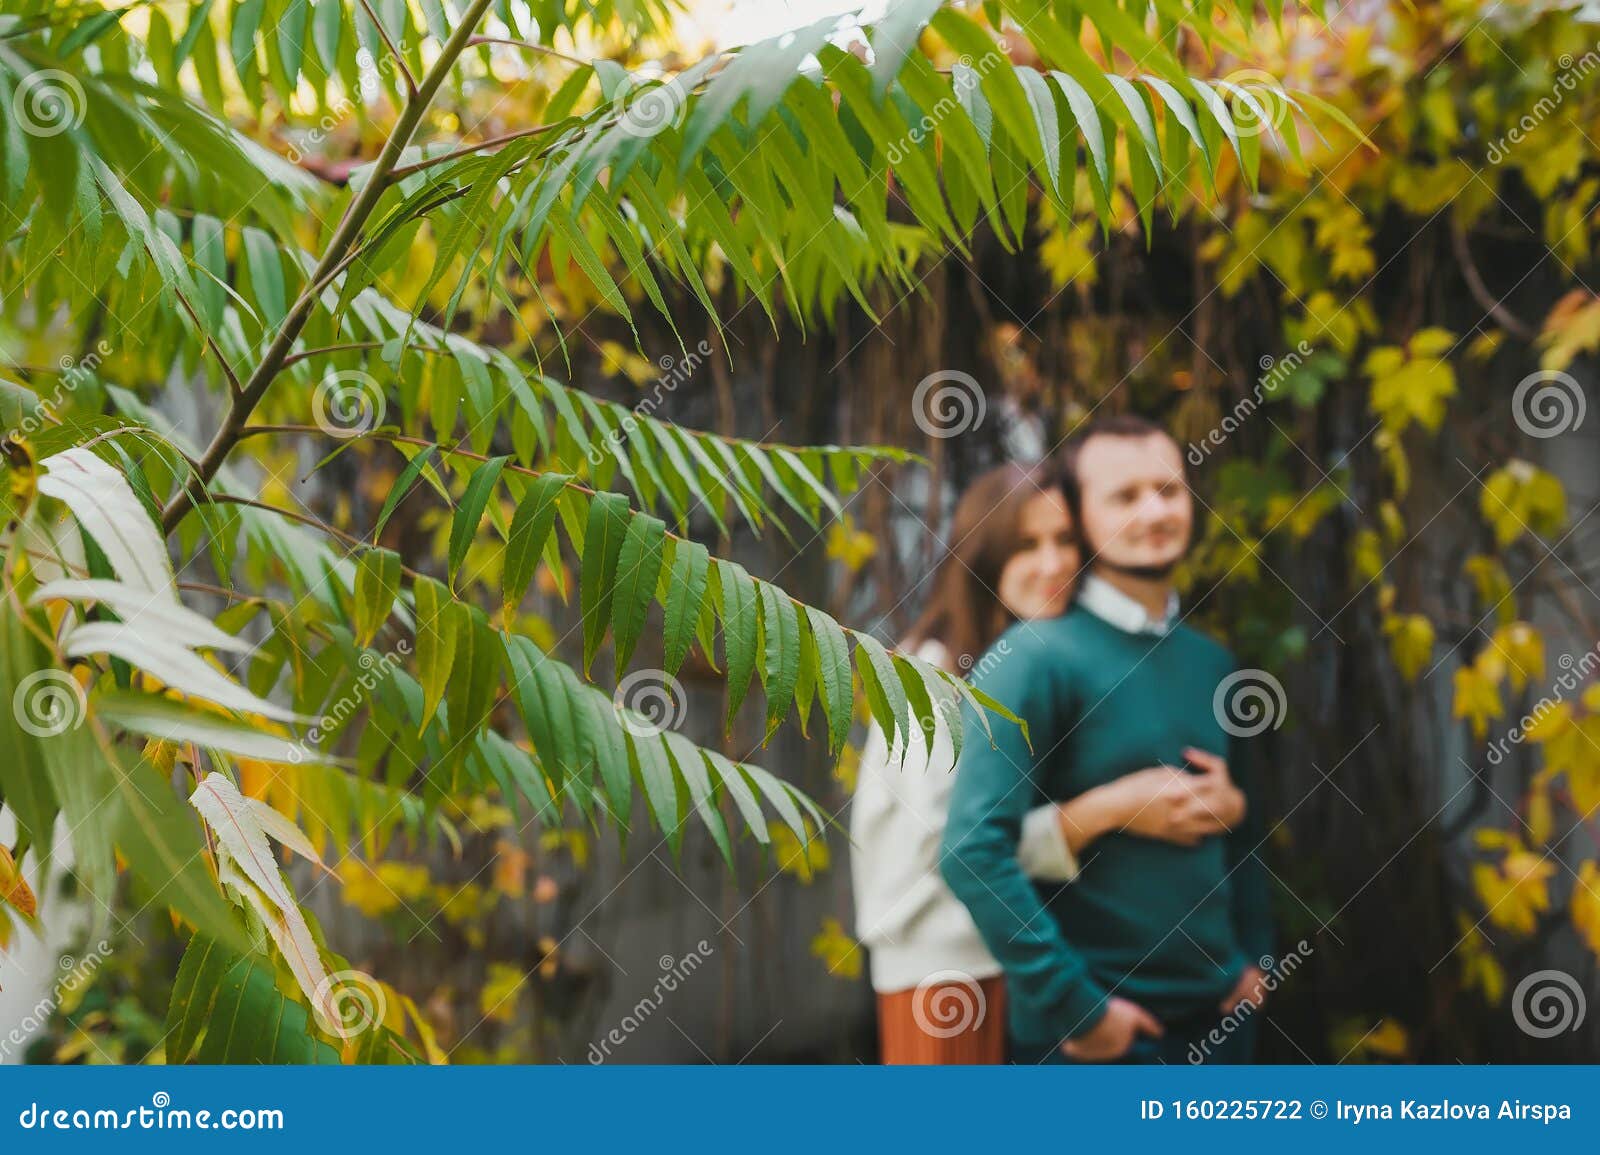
(1141, 956)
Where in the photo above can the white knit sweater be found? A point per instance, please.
(905, 915)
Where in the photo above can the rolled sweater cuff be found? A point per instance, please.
(1079, 1009)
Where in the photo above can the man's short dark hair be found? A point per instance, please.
(1128, 425)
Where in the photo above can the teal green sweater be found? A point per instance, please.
(1167, 926)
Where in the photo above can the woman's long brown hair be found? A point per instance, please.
(964, 613)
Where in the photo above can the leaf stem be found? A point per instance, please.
(339, 246)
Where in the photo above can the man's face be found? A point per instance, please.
(1137, 511)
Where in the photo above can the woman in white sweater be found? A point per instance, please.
(1013, 555)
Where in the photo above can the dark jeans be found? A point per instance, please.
(1210, 1039)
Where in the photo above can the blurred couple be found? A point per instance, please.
(1095, 898)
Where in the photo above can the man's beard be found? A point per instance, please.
(1153, 573)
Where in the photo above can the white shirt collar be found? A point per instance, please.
(1106, 602)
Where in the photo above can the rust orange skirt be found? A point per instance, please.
(961, 1020)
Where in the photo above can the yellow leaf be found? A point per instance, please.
(848, 770)
(1520, 498)
(1572, 327)
(839, 951)
(804, 862)
(1410, 642)
(1523, 649)
(1479, 967)
(852, 546)
(1412, 384)
(1477, 699)
(501, 986)
(1541, 817)
(1586, 905)
(14, 889)
(1517, 892)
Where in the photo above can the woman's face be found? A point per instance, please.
(1037, 580)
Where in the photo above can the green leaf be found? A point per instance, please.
(833, 668)
(266, 277)
(686, 591)
(195, 989)
(736, 597)
(602, 548)
(401, 489)
(377, 585)
(480, 486)
(638, 567)
(780, 626)
(437, 614)
(895, 36)
(885, 694)
(530, 527)
(686, 756)
(648, 758)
